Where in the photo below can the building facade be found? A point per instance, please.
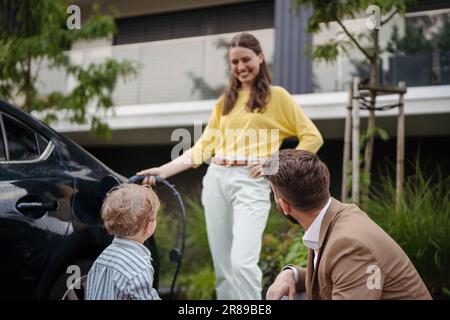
(179, 46)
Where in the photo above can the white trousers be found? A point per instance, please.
(236, 211)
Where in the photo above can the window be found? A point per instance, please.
(196, 22)
(2, 145)
(41, 143)
(416, 52)
(23, 143)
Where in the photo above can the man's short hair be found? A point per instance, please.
(128, 208)
(302, 179)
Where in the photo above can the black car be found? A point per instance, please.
(51, 191)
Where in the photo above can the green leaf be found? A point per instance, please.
(34, 31)
(327, 52)
(383, 134)
(419, 222)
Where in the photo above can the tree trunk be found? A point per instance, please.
(28, 86)
(347, 142)
(368, 152)
(400, 148)
(355, 143)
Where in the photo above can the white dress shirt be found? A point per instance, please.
(311, 236)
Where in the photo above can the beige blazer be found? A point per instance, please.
(358, 260)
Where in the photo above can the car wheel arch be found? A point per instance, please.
(85, 244)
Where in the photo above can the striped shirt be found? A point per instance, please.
(122, 272)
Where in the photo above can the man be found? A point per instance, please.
(350, 256)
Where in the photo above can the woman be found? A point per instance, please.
(235, 196)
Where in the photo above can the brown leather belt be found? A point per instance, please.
(231, 163)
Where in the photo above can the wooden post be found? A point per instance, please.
(347, 140)
(355, 143)
(400, 146)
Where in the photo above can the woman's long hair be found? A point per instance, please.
(260, 91)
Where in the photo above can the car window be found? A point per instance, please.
(22, 142)
(42, 143)
(2, 146)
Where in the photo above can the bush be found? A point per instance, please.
(197, 280)
(165, 235)
(282, 244)
(420, 225)
(199, 285)
(196, 253)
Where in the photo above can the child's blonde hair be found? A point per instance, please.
(128, 208)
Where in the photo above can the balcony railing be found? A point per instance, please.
(192, 69)
(169, 71)
(419, 54)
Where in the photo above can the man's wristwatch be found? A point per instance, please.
(294, 271)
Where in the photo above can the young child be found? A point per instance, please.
(124, 271)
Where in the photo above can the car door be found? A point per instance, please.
(35, 206)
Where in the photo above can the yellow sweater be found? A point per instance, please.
(243, 134)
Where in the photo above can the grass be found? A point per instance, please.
(196, 279)
(281, 245)
(420, 225)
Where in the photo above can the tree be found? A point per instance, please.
(35, 31)
(367, 42)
